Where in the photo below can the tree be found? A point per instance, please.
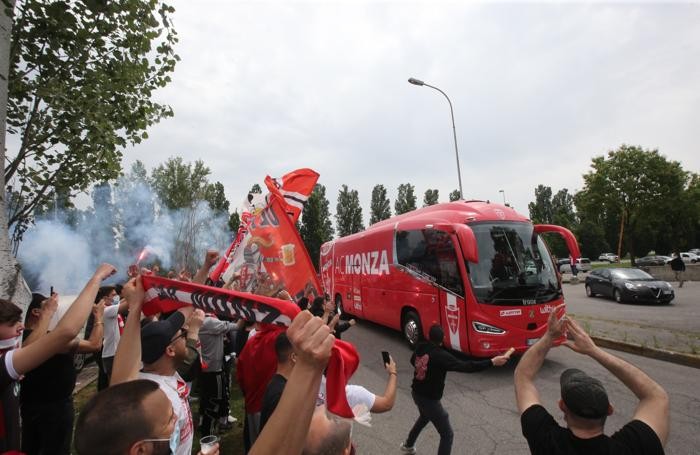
(255, 189)
(379, 207)
(182, 189)
(455, 196)
(12, 284)
(180, 185)
(430, 197)
(348, 212)
(81, 79)
(640, 189)
(216, 197)
(316, 226)
(406, 199)
(101, 223)
(541, 209)
(234, 222)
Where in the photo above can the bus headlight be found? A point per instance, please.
(486, 328)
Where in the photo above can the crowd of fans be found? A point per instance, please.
(148, 367)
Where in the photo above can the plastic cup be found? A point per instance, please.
(207, 444)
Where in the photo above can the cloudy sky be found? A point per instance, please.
(538, 90)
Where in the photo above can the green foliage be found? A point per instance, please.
(379, 207)
(455, 196)
(180, 185)
(644, 189)
(316, 226)
(348, 212)
(82, 76)
(406, 199)
(255, 189)
(234, 222)
(541, 209)
(216, 197)
(430, 197)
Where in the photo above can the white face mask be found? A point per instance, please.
(115, 300)
(9, 343)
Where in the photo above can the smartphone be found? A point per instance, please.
(385, 357)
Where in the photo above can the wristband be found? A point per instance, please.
(391, 372)
(100, 322)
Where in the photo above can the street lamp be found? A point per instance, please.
(504, 196)
(418, 82)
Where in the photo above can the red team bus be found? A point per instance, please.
(480, 270)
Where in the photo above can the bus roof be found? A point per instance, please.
(456, 212)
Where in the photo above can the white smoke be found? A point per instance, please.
(55, 253)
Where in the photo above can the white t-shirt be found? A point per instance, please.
(177, 392)
(111, 331)
(356, 394)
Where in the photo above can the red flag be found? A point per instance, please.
(294, 189)
(272, 260)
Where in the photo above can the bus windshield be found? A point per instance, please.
(514, 266)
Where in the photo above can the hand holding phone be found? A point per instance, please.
(386, 357)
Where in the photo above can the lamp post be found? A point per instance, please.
(504, 196)
(454, 131)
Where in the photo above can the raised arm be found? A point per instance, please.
(27, 358)
(526, 393)
(285, 431)
(127, 359)
(384, 403)
(653, 407)
(94, 342)
(210, 258)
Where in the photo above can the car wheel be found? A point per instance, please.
(617, 296)
(412, 330)
(589, 291)
(78, 362)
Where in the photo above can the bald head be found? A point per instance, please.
(327, 436)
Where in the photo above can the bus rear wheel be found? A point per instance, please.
(412, 329)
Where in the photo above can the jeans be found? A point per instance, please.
(211, 400)
(104, 372)
(432, 411)
(47, 428)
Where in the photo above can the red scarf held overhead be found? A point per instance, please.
(164, 295)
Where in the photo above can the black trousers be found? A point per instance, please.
(104, 372)
(433, 412)
(211, 400)
(47, 428)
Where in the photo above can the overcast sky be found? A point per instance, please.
(538, 90)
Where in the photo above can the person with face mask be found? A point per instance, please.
(114, 306)
(16, 361)
(161, 346)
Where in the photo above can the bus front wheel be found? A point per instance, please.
(412, 330)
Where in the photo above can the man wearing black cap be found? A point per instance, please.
(162, 347)
(432, 362)
(585, 403)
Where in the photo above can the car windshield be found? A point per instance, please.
(514, 266)
(631, 274)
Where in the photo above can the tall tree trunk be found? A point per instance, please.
(12, 284)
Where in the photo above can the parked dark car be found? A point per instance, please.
(628, 285)
(650, 260)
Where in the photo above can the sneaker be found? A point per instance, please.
(231, 419)
(407, 449)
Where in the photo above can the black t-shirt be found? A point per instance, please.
(9, 407)
(431, 363)
(273, 393)
(545, 436)
(52, 381)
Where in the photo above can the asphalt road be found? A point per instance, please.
(482, 405)
(675, 327)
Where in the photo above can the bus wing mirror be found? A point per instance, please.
(569, 237)
(467, 241)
